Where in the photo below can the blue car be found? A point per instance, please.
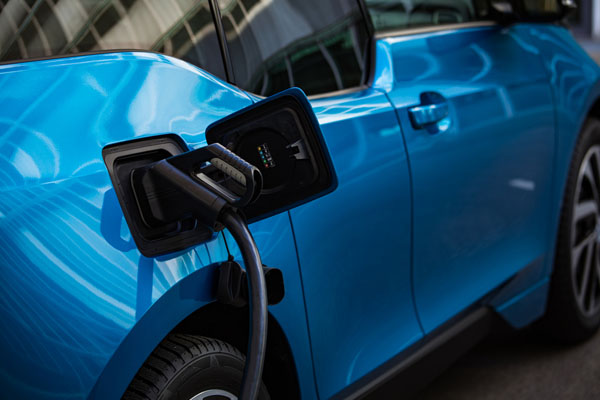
(465, 137)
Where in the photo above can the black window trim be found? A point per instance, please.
(220, 31)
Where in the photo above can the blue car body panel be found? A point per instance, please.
(195, 290)
(73, 280)
(63, 232)
(479, 187)
(356, 270)
(574, 80)
(422, 225)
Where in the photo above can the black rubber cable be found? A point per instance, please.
(257, 301)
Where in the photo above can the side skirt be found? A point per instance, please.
(414, 368)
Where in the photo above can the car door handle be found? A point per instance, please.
(428, 114)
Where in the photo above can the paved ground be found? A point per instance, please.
(520, 366)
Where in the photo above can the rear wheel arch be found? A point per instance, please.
(567, 144)
(135, 345)
(188, 308)
(563, 319)
(594, 109)
(230, 325)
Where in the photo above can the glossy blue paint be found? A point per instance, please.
(274, 238)
(195, 290)
(527, 306)
(354, 244)
(575, 84)
(480, 187)
(76, 292)
(424, 223)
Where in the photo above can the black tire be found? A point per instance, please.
(183, 366)
(565, 318)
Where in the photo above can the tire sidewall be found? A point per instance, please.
(562, 274)
(211, 371)
(185, 365)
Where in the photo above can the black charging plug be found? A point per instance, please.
(207, 186)
(194, 186)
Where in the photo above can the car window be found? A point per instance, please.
(541, 6)
(319, 46)
(181, 28)
(405, 14)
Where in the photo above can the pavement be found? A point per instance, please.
(521, 366)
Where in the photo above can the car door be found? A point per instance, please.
(476, 111)
(353, 245)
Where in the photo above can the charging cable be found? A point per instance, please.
(257, 301)
(215, 206)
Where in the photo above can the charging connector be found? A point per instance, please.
(209, 184)
(173, 198)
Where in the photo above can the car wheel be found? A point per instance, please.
(187, 367)
(573, 313)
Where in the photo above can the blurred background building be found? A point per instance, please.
(38, 28)
(585, 24)
(314, 40)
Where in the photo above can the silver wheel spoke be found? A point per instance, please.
(589, 174)
(587, 267)
(585, 223)
(585, 209)
(585, 243)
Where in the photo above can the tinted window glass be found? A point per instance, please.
(405, 14)
(541, 6)
(182, 28)
(319, 46)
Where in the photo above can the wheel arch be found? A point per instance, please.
(566, 141)
(189, 307)
(231, 325)
(594, 108)
(568, 132)
(524, 299)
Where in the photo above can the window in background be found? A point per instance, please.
(580, 19)
(181, 28)
(541, 6)
(390, 15)
(319, 46)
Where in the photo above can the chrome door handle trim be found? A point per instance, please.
(424, 115)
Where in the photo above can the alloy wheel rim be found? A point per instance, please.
(585, 235)
(214, 394)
